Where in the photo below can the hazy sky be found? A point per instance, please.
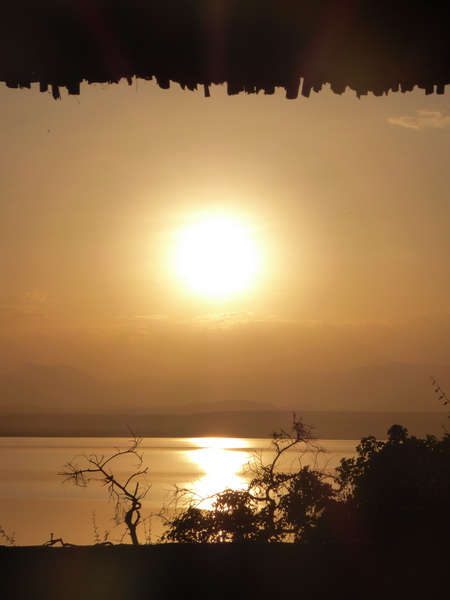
(346, 200)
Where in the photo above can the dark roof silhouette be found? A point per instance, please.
(251, 45)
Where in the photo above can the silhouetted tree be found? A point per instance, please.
(9, 539)
(442, 395)
(275, 506)
(393, 490)
(399, 488)
(126, 495)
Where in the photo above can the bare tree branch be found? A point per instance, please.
(126, 497)
(276, 505)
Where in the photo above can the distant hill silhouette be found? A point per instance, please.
(392, 387)
(389, 387)
(55, 387)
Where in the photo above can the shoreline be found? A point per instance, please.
(338, 425)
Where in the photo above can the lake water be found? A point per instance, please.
(35, 503)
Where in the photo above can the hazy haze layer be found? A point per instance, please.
(348, 199)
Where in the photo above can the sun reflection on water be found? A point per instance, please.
(221, 462)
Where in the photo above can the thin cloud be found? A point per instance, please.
(144, 318)
(272, 319)
(225, 320)
(139, 325)
(423, 119)
(36, 297)
(314, 323)
(24, 314)
(230, 320)
(27, 306)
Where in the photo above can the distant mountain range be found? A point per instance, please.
(392, 387)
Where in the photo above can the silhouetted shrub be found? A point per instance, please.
(276, 506)
(400, 488)
(392, 491)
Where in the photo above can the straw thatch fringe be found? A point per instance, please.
(251, 45)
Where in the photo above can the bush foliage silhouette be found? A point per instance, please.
(400, 487)
(276, 506)
(393, 490)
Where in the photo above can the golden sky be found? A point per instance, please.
(345, 200)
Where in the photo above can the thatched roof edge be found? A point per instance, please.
(250, 45)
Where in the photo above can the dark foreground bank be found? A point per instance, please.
(224, 571)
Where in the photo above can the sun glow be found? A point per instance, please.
(217, 256)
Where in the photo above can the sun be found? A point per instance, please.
(217, 256)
